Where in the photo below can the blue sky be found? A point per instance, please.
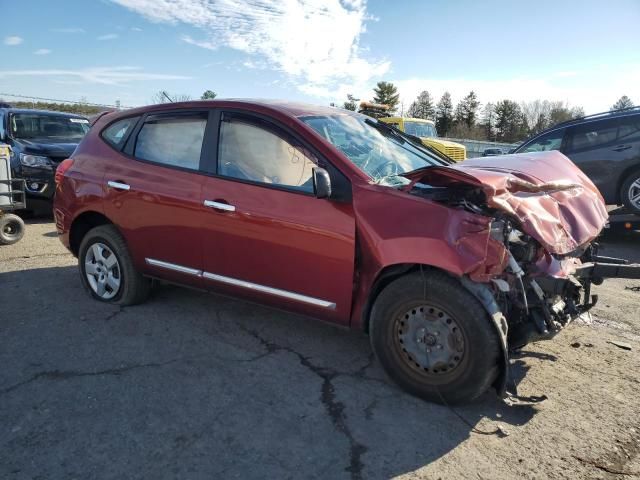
(583, 52)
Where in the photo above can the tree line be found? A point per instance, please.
(79, 108)
(503, 121)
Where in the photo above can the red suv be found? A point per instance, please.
(333, 214)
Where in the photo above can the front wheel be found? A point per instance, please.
(434, 338)
(11, 229)
(630, 192)
(106, 268)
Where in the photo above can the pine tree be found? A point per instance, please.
(470, 106)
(423, 107)
(511, 124)
(444, 114)
(623, 102)
(386, 93)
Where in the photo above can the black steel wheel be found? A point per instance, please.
(434, 338)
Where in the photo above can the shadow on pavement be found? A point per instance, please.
(198, 385)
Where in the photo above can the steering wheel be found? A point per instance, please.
(385, 169)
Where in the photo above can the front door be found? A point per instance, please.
(265, 235)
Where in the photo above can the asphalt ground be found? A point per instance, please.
(197, 385)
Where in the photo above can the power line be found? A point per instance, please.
(62, 101)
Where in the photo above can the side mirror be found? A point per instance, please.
(321, 183)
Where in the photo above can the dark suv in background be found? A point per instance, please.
(606, 146)
(39, 141)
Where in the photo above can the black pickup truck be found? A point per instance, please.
(39, 141)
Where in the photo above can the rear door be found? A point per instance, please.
(154, 190)
(603, 150)
(266, 236)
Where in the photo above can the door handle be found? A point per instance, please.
(219, 205)
(118, 185)
(620, 148)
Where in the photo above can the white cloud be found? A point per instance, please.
(314, 42)
(584, 89)
(11, 41)
(102, 75)
(42, 51)
(199, 43)
(135, 29)
(69, 30)
(108, 36)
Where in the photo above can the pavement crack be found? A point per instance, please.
(604, 468)
(335, 409)
(67, 374)
(114, 314)
(21, 257)
(368, 410)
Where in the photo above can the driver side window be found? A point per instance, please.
(255, 151)
(550, 141)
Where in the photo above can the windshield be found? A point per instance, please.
(373, 147)
(420, 129)
(41, 125)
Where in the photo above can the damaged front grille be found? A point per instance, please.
(538, 293)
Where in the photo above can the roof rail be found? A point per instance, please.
(611, 113)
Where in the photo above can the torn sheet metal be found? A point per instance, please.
(553, 200)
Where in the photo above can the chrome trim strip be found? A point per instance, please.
(270, 290)
(173, 266)
(118, 185)
(220, 206)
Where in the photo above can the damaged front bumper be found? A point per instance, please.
(538, 300)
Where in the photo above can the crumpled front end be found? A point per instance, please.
(545, 215)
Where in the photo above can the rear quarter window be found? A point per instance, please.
(116, 133)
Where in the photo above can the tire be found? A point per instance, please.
(11, 229)
(630, 192)
(96, 262)
(466, 364)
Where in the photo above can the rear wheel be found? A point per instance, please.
(434, 338)
(107, 270)
(630, 192)
(11, 229)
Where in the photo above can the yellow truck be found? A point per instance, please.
(426, 131)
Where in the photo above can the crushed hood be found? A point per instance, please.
(553, 199)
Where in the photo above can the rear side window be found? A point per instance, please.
(593, 135)
(629, 130)
(172, 140)
(116, 133)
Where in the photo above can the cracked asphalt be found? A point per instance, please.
(196, 385)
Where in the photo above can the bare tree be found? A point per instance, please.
(165, 97)
(351, 103)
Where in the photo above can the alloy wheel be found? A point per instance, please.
(634, 193)
(102, 270)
